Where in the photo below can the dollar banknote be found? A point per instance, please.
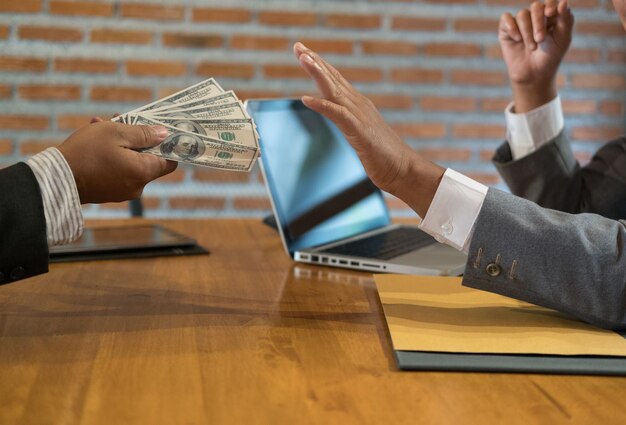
(206, 125)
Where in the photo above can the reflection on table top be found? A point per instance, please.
(243, 335)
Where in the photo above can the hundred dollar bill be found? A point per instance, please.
(204, 89)
(233, 110)
(220, 99)
(186, 146)
(235, 131)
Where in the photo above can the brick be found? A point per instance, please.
(32, 32)
(22, 64)
(77, 8)
(411, 23)
(4, 32)
(24, 122)
(5, 91)
(196, 203)
(616, 56)
(106, 35)
(192, 40)
(361, 75)
(20, 6)
(156, 68)
(446, 154)
(249, 42)
(90, 66)
(121, 94)
(259, 94)
(221, 15)
(493, 51)
(420, 130)
(34, 146)
(597, 133)
(49, 92)
(612, 108)
(452, 104)
(583, 55)
(340, 20)
(328, 46)
(579, 107)
(6, 147)
(452, 1)
(391, 101)
(478, 131)
(488, 179)
(492, 104)
(284, 71)
(452, 49)
(476, 25)
(73, 122)
(416, 75)
(249, 203)
(152, 11)
(486, 155)
(600, 28)
(217, 176)
(598, 81)
(389, 48)
(166, 91)
(301, 19)
(485, 78)
(229, 70)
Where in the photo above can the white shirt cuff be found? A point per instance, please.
(527, 132)
(452, 213)
(64, 216)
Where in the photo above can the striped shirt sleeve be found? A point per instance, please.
(64, 217)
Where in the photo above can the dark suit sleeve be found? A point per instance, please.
(23, 243)
(552, 177)
(575, 263)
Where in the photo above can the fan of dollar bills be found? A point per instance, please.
(207, 126)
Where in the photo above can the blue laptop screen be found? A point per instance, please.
(318, 186)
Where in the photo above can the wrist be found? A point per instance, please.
(527, 97)
(419, 182)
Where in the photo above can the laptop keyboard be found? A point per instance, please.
(386, 245)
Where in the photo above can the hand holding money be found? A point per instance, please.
(206, 126)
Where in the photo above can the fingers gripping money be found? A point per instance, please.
(206, 126)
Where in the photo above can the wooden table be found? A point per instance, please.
(243, 336)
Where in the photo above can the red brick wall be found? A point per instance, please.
(433, 68)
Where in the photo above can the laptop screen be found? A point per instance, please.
(318, 186)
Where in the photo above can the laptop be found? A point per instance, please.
(327, 210)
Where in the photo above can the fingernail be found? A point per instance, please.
(160, 131)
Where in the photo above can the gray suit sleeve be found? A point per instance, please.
(552, 177)
(574, 263)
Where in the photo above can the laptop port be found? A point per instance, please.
(315, 258)
(343, 262)
(371, 265)
(354, 263)
(324, 259)
(304, 257)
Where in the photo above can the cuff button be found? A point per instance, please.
(493, 269)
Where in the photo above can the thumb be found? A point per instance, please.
(142, 136)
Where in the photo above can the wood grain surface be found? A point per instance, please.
(242, 336)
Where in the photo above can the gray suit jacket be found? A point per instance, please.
(564, 246)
